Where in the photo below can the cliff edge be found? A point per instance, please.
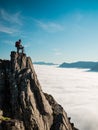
(23, 104)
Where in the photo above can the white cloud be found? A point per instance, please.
(10, 23)
(78, 16)
(7, 30)
(11, 18)
(27, 45)
(49, 26)
(57, 52)
(8, 42)
(76, 90)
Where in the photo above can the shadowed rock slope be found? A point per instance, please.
(23, 105)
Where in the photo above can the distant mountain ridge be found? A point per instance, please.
(79, 64)
(43, 63)
(95, 68)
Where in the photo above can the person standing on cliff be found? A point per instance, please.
(19, 46)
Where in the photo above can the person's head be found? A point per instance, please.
(19, 40)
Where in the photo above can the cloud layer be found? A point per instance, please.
(76, 90)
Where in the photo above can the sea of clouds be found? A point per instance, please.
(76, 90)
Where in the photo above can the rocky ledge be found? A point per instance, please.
(23, 104)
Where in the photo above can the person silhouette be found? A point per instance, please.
(19, 46)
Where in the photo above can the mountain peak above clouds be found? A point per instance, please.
(23, 104)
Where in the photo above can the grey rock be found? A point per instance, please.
(12, 125)
(1, 112)
(24, 101)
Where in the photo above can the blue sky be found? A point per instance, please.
(51, 30)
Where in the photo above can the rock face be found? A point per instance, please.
(23, 104)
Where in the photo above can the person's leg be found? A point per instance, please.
(22, 49)
(17, 49)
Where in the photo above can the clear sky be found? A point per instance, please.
(51, 30)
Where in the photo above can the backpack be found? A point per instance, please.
(17, 44)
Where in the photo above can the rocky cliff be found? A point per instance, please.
(23, 104)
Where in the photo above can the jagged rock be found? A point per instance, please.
(24, 101)
(12, 125)
(1, 112)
